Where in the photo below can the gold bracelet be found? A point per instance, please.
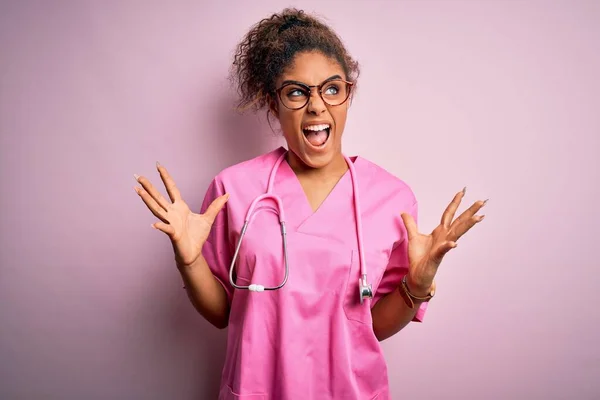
(410, 298)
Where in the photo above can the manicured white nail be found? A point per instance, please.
(136, 176)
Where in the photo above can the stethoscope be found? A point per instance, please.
(365, 289)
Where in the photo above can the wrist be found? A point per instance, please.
(184, 267)
(416, 296)
(197, 271)
(419, 289)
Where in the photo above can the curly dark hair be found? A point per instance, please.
(269, 48)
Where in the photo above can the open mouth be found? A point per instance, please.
(317, 135)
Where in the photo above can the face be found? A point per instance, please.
(313, 133)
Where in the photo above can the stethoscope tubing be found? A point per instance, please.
(364, 287)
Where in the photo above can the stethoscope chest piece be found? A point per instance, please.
(365, 289)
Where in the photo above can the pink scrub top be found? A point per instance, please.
(312, 339)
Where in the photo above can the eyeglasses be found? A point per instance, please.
(295, 95)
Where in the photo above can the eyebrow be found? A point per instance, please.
(298, 82)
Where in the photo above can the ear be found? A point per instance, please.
(349, 101)
(273, 106)
(352, 92)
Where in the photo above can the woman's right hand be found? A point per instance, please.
(188, 231)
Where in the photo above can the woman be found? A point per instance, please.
(317, 336)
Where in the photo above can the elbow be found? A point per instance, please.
(378, 333)
(385, 329)
(221, 324)
(380, 336)
(219, 321)
(216, 316)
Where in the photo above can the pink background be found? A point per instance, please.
(501, 96)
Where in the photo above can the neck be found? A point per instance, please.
(336, 167)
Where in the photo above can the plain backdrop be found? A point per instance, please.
(500, 96)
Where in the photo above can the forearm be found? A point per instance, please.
(206, 293)
(391, 314)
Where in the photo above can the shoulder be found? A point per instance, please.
(249, 170)
(242, 180)
(376, 181)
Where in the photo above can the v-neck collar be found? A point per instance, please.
(303, 212)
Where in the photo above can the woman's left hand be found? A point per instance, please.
(426, 251)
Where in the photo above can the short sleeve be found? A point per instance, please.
(398, 267)
(217, 249)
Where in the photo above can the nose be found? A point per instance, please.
(316, 105)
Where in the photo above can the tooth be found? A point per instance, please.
(317, 127)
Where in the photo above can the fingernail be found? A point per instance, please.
(157, 164)
(481, 217)
(485, 202)
(136, 189)
(136, 176)
(464, 190)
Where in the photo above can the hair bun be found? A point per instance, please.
(269, 48)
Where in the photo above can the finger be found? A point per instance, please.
(469, 212)
(151, 204)
(448, 214)
(172, 190)
(410, 224)
(152, 191)
(443, 249)
(166, 228)
(215, 207)
(457, 231)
